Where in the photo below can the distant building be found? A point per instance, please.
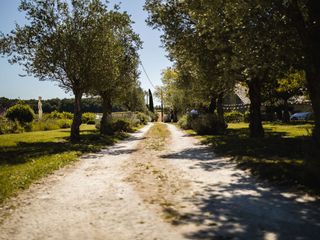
(238, 100)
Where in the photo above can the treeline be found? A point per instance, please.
(87, 48)
(61, 105)
(269, 46)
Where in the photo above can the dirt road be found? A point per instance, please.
(155, 188)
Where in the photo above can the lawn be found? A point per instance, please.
(26, 157)
(284, 155)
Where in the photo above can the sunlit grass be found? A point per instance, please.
(26, 157)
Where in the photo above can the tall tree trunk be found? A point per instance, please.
(313, 79)
(213, 104)
(75, 127)
(309, 31)
(221, 122)
(255, 120)
(220, 111)
(286, 115)
(106, 120)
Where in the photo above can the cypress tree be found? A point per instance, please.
(151, 107)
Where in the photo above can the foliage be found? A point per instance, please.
(154, 116)
(184, 122)
(51, 124)
(173, 94)
(21, 113)
(143, 118)
(92, 104)
(8, 126)
(100, 44)
(151, 106)
(45, 125)
(202, 124)
(121, 125)
(89, 118)
(234, 116)
(59, 115)
(207, 124)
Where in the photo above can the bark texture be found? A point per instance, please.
(255, 120)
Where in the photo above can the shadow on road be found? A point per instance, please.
(241, 208)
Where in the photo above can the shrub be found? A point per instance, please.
(8, 126)
(121, 125)
(89, 118)
(67, 115)
(21, 113)
(234, 117)
(143, 118)
(45, 125)
(59, 115)
(185, 122)
(64, 123)
(154, 116)
(208, 124)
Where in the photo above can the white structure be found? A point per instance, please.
(40, 108)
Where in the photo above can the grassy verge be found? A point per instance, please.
(283, 156)
(26, 157)
(157, 136)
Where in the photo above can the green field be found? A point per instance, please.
(26, 157)
(285, 155)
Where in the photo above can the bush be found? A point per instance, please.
(89, 118)
(143, 118)
(184, 122)
(206, 124)
(8, 126)
(121, 125)
(64, 123)
(234, 117)
(154, 116)
(21, 113)
(59, 115)
(45, 125)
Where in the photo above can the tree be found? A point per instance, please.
(116, 60)
(220, 41)
(305, 17)
(291, 85)
(199, 57)
(56, 45)
(151, 107)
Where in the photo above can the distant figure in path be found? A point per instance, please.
(40, 108)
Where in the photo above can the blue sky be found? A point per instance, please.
(14, 86)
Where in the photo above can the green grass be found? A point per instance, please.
(26, 157)
(283, 156)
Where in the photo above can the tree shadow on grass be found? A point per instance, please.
(90, 142)
(276, 157)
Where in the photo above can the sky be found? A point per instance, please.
(12, 85)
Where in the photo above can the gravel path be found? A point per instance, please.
(185, 192)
